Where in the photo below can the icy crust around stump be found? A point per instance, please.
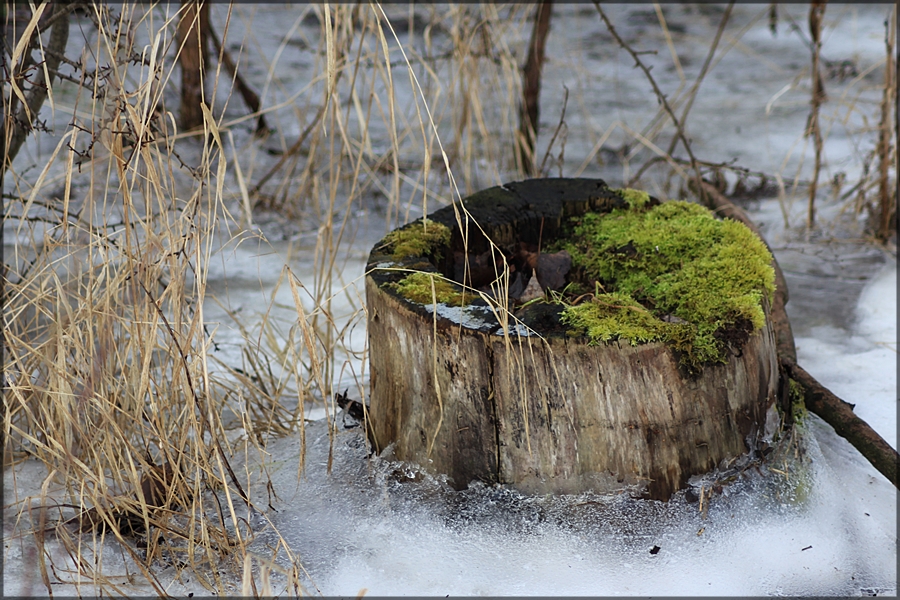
(453, 391)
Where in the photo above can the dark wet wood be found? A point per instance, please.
(550, 413)
(839, 414)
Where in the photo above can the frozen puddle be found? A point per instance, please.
(390, 529)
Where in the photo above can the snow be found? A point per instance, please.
(872, 349)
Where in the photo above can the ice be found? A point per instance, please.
(877, 310)
(837, 359)
(391, 529)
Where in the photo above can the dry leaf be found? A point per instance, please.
(482, 268)
(532, 290)
(552, 269)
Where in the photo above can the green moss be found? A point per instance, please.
(634, 198)
(607, 317)
(418, 239)
(418, 288)
(797, 396)
(789, 460)
(683, 266)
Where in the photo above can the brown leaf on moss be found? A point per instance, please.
(552, 269)
(482, 268)
(526, 256)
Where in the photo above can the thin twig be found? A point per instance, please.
(692, 93)
(290, 151)
(251, 98)
(187, 374)
(559, 126)
(887, 197)
(660, 96)
(21, 124)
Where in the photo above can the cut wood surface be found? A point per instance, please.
(456, 391)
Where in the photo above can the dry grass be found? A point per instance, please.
(109, 371)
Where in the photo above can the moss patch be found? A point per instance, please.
(418, 288)
(797, 396)
(608, 317)
(635, 198)
(418, 239)
(700, 281)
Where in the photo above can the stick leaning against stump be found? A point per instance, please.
(463, 389)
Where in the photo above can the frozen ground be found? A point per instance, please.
(389, 529)
(392, 530)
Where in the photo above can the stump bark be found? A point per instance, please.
(466, 395)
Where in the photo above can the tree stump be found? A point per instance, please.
(465, 392)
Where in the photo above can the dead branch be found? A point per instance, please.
(15, 129)
(251, 98)
(529, 112)
(295, 147)
(887, 197)
(840, 416)
(692, 93)
(559, 127)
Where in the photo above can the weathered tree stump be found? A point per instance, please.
(456, 390)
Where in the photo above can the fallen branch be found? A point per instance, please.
(839, 414)
(818, 399)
